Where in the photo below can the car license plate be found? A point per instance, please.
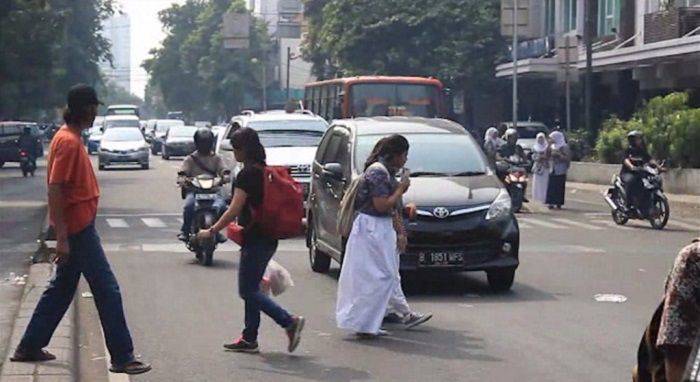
(440, 259)
(205, 197)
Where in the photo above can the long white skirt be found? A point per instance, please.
(540, 182)
(369, 275)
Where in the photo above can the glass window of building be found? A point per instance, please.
(608, 17)
(569, 15)
(549, 17)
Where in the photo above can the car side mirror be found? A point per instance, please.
(333, 171)
(226, 145)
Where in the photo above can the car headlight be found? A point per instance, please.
(500, 207)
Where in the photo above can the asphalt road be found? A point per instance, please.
(549, 328)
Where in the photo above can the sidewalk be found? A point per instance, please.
(676, 198)
(63, 343)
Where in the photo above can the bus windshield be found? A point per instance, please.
(373, 99)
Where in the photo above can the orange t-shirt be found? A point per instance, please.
(69, 165)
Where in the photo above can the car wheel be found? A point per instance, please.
(154, 151)
(320, 262)
(164, 154)
(144, 166)
(101, 166)
(2, 164)
(501, 280)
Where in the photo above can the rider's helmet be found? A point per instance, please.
(204, 140)
(633, 135)
(511, 135)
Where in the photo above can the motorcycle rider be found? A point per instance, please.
(636, 156)
(27, 142)
(507, 151)
(202, 161)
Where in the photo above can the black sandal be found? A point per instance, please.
(36, 356)
(131, 368)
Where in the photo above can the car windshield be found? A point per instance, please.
(122, 135)
(432, 154)
(370, 100)
(122, 123)
(163, 126)
(182, 131)
(531, 131)
(294, 133)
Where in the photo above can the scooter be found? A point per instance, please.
(205, 188)
(26, 163)
(514, 174)
(658, 212)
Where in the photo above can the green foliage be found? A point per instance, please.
(671, 130)
(46, 47)
(193, 72)
(457, 41)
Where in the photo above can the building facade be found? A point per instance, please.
(117, 29)
(641, 48)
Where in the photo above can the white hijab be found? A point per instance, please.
(541, 143)
(558, 139)
(491, 135)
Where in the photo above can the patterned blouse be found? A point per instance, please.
(377, 184)
(680, 320)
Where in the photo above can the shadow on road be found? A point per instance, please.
(305, 367)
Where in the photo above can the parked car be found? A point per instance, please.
(120, 121)
(9, 134)
(464, 222)
(160, 128)
(178, 141)
(121, 145)
(527, 134)
(290, 139)
(94, 138)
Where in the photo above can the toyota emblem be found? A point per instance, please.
(441, 212)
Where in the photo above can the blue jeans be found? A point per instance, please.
(86, 258)
(255, 255)
(188, 210)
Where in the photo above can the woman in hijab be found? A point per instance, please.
(561, 160)
(491, 144)
(540, 168)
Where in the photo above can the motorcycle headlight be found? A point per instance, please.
(500, 207)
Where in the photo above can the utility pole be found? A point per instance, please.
(289, 60)
(264, 86)
(515, 63)
(588, 40)
(567, 71)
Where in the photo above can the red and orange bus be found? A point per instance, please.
(370, 96)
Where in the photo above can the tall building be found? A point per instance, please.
(641, 48)
(117, 29)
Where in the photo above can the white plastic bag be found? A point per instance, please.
(276, 279)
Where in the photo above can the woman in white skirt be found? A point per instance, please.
(540, 168)
(368, 277)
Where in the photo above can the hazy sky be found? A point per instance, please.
(146, 33)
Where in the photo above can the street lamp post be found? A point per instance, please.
(515, 63)
(264, 82)
(290, 57)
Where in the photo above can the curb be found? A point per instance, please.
(599, 188)
(63, 342)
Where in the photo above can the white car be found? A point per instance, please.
(290, 140)
(120, 121)
(123, 145)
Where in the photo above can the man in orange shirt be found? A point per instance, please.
(73, 195)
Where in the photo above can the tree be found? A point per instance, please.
(457, 41)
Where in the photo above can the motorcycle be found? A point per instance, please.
(205, 188)
(658, 212)
(514, 174)
(26, 163)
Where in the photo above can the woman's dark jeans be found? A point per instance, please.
(86, 258)
(255, 255)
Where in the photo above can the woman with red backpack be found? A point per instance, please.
(258, 245)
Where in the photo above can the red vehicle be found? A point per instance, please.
(372, 96)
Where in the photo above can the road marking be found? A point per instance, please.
(608, 297)
(141, 215)
(540, 223)
(691, 227)
(577, 224)
(117, 223)
(154, 222)
(179, 220)
(524, 225)
(611, 224)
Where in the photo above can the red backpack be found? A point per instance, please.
(282, 210)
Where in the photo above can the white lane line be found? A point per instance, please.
(611, 224)
(154, 222)
(540, 223)
(690, 227)
(577, 224)
(117, 223)
(179, 220)
(524, 225)
(141, 215)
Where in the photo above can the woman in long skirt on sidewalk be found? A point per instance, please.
(541, 168)
(561, 160)
(368, 277)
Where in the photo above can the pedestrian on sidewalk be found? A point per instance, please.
(561, 160)
(369, 278)
(492, 143)
(540, 168)
(73, 194)
(257, 249)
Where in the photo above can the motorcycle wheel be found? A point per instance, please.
(619, 217)
(207, 256)
(659, 222)
(206, 250)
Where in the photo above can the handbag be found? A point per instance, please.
(234, 232)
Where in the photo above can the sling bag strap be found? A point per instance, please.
(202, 166)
